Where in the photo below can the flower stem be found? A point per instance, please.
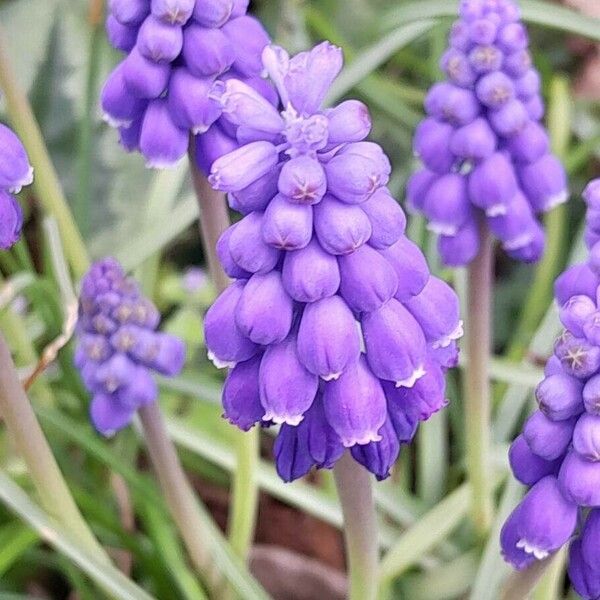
(214, 219)
(477, 397)
(178, 493)
(46, 183)
(51, 487)
(360, 528)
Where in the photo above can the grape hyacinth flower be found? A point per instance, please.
(118, 347)
(176, 49)
(558, 452)
(484, 152)
(334, 327)
(15, 172)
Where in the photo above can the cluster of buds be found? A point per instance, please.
(176, 49)
(334, 327)
(558, 452)
(15, 172)
(118, 347)
(484, 151)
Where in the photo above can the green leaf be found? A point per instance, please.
(105, 575)
(15, 540)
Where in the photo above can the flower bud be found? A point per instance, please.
(516, 227)
(546, 438)
(144, 78)
(387, 218)
(546, 519)
(533, 250)
(517, 63)
(120, 107)
(410, 265)
(258, 194)
(578, 279)
(509, 119)
(162, 143)
(108, 415)
(213, 13)
(356, 172)
(248, 37)
(379, 457)
(483, 31)
(355, 405)
(474, 141)
(586, 437)
(493, 184)
(328, 338)
(310, 274)
(432, 145)
(446, 205)
(495, 89)
(287, 225)
(591, 395)
(461, 248)
(207, 52)
(129, 12)
(348, 122)
(302, 180)
(544, 182)
(212, 145)
(129, 136)
(529, 144)
(395, 344)
(224, 253)
(340, 228)
(238, 169)
(559, 397)
(590, 537)
(226, 344)
(173, 12)
(121, 37)
(287, 389)
(264, 312)
(241, 396)
(577, 356)
(159, 41)
(457, 67)
(292, 458)
(486, 58)
(509, 538)
(248, 249)
(584, 578)
(368, 280)
(189, 102)
(580, 480)
(527, 467)
(513, 37)
(416, 188)
(437, 312)
(574, 313)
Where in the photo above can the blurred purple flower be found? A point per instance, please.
(484, 153)
(118, 347)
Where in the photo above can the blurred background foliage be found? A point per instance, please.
(61, 57)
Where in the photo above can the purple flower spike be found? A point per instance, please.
(546, 438)
(144, 78)
(580, 479)
(482, 126)
(322, 265)
(586, 437)
(159, 41)
(119, 347)
(355, 405)
(560, 397)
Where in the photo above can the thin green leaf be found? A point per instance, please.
(15, 540)
(105, 575)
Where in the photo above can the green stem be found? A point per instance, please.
(46, 183)
(477, 385)
(178, 493)
(214, 219)
(23, 426)
(551, 584)
(84, 160)
(355, 491)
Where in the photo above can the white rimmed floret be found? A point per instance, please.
(454, 335)
(220, 364)
(535, 551)
(413, 378)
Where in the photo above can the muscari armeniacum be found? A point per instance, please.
(558, 452)
(333, 328)
(118, 347)
(176, 49)
(485, 153)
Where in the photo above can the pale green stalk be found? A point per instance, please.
(477, 393)
(214, 219)
(355, 491)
